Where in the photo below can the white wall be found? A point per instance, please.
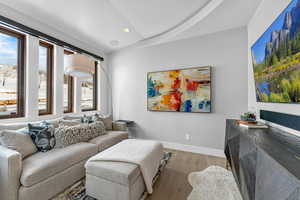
(225, 51)
(265, 15)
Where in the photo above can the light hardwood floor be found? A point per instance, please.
(173, 183)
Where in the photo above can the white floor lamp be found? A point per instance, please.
(82, 66)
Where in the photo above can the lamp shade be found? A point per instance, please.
(79, 65)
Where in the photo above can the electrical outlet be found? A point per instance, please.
(187, 137)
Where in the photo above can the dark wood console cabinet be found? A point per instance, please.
(264, 162)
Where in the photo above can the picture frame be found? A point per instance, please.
(180, 90)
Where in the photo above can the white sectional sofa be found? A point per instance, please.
(43, 175)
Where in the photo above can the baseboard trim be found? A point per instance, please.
(194, 149)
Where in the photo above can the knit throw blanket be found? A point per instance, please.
(146, 154)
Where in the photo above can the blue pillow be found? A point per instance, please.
(42, 136)
(87, 119)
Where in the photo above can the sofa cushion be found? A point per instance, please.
(53, 185)
(54, 122)
(13, 126)
(19, 125)
(17, 141)
(41, 166)
(111, 138)
(116, 172)
(73, 117)
(72, 122)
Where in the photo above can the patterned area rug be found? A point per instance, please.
(213, 183)
(77, 191)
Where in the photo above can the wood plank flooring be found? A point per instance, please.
(173, 183)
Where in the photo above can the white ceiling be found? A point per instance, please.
(152, 17)
(230, 14)
(99, 22)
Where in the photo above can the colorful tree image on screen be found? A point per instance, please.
(276, 59)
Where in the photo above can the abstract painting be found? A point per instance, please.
(276, 59)
(181, 90)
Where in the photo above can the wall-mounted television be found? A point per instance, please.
(276, 59)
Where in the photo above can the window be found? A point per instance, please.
(12, 76)
(89, 92)
(68, 90)
(45, 78)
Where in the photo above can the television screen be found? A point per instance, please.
(276, 59)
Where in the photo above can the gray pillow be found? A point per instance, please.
(107, 120)
(17, 141)
(13, 126)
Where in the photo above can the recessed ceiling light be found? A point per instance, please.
(126, 30)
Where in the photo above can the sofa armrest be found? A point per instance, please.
(10, 172)
(120, 126)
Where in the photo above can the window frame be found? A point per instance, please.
(95, 91)
(21, 69)
(70, 108)
(50, 68)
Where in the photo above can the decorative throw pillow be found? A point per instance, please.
(107, 120)
(87, 119)
(17, 141)
(97, 128)
(68, 135)
(42, 136)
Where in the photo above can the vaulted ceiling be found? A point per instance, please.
(116, 24)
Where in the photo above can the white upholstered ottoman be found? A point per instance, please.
(122, 172)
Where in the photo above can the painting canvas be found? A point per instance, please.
(182, 90)
(276, 59)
